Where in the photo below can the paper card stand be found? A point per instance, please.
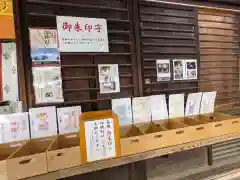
(99, 136)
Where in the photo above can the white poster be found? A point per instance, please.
(191, 69)
(44, 45)
(68, 119)
(9, 72)
(158, 106)
(193, 104)
(123, 108)
(208, 102)
(178, 69)
(47, 84)
(141, 110)
(163, 70)
(108, 78)
(43, 121)
(15, 127)
(176, 105)
(100, 140)
(79, 34)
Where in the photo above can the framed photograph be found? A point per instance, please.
(163, 70)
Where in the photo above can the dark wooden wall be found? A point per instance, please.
(139, 33)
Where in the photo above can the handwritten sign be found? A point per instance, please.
(77, 34)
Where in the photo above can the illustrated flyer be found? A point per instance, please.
(123, 108)
(193, 104)
(43, 121)
(68, 119)
(47, 84)
(185, 69)
(141, 109)
(100, 139)
(108, 78)
(44, 45)
(80, 34)
(159, 109)
(163, 70)
(176, 105)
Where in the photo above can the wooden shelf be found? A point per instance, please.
(133, 158)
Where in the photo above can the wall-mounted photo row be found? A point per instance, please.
(156, 107)
(182, 69)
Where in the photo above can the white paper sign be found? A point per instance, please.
(123, 108)
(193, 104)
(100, 141)
(208, 102)
(68, 119)
(141, 110)
(108, 78)
(159, 109)
(79, 34)
(9, 72)
(43, 122)
(176, 105)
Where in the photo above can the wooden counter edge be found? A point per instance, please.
(133, 158)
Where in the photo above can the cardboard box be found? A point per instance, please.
(219, 123)
(29, 160)
(6, 151)
(64, 152)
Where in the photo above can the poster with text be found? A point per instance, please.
(163, 70)
(47, 83)
(44, 45)
(100, 139)
(108, 78)
(79, 34)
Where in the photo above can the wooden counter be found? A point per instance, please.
(133, 158)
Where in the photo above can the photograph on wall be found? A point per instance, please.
(80, 34)
(47, 83)
(178, 69)
(193, 104)
(44, 45)
(123, 108)
(191, 69)
(108, 78)
(163, 70)
(100, 139)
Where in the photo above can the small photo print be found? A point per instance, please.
(163, 70)
(45, 54)
(108, 78)
(178, 69)
(191, 69)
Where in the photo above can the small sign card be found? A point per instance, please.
(79, 34)
(159, 109)
(193, 104)
(141, 110)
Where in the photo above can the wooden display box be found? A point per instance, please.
(29, 160)
(219, 123)
(64, 152)
(6, 151)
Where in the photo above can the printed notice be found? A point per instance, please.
(208, 102)
(176, 105)
(193, 104)
(159, 109)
